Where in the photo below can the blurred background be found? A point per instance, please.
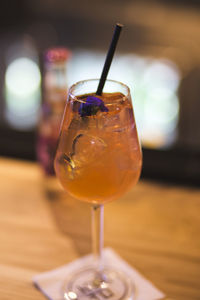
(158, 56)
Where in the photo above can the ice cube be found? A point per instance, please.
(110, 122)
(67, 165)
(87, 149)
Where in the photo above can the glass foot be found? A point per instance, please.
(90, 284)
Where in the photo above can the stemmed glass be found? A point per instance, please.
(98, 159)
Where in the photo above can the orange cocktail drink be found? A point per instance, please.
(99, 156)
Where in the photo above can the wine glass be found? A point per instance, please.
(98, 159)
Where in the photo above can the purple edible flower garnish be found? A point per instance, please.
(92, 106)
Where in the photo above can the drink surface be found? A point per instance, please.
(99, 156)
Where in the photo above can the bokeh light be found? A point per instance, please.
(22, 77)
(22, 91)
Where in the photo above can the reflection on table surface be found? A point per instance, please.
(154, 227)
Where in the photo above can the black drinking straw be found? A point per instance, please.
(109, 58)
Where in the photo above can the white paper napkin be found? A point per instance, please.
(51, 283)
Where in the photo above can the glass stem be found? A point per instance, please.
(97, 234)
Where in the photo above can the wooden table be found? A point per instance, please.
(154, 227)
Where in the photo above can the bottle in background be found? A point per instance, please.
(54, 98)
